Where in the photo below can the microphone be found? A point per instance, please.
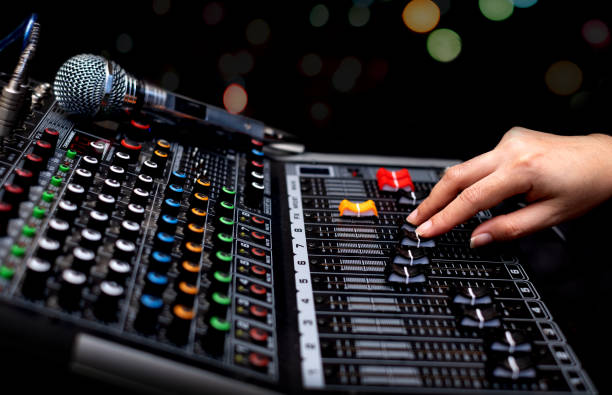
(90, 85)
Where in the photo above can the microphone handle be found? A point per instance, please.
(158, 99)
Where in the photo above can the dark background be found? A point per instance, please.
(403, 101)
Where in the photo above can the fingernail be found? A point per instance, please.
(423, 228)
(412, 217)
(480, 240)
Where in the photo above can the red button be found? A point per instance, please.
(258, 335)
(257, 235)
(257, 289)
(130, 145)
(258, 270)
(257, 164)
(258, 252)
(141, 126)
(258, 360)
(258, 220)
(258, 311)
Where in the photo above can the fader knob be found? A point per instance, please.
(51, 136)
(69, 295)
(35, 282)
(44, 149)
(106, 306)
(148, 312)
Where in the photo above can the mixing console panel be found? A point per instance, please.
(183, 248)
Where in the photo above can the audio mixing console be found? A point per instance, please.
(188, 260)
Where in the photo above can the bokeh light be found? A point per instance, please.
(563, 78)
(258, 32)
(378, 68)
(444, 45)
(421, 16)
(161, 7)
(443, 5)
(580, 100)
(358, 16)
(311, 64)
(170, 80)
(596, 33)
(213, 13)
(231, 65)
(235, 98)
(319, 111)
(319, 15)
(124, 43)
(496, 10)
(524, 3)
(346, 75)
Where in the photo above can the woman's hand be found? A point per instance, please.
(562, 177)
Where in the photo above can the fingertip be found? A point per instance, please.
(424, 228)
(412, 218)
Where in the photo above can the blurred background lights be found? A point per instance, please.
(258, 32)
(319, 15)
(347, 73)
(231, 65)
(421, 16)
(311, 64)
(161, 7)
(235, 98)
(358, 15)
(213, 13)
(496, 10)
(124, 43)
(319, 111)
(443, 5)
(563, 78)
(524, 3)
(170, 80)
(596, 33)
(444, 45)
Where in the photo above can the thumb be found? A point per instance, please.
(519, 223)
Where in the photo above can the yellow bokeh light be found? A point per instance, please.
(563, 78)
(421, 16)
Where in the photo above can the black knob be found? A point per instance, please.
(198, 200)
(83, 259)
(96, 149)
(224, 225)
(163, 242)
(219, 281)
(220, 261)
(160, 158)
(124, 250)
(193, 232)
(223, 242)
(69, 295)
(48, 249)
(129, 230)
(91, 239)
(13, 195)
(178, 178)
(111, 187)
(144, 181)
(133, 148)
(254, 195)
(219, 304)
(121, 159)
(140, 196)
(150, 168)
(83, 177)
(186, 293)
(35, 282)
(167, 224)
(116, 173)
(75, 193)
(163, 145)
(255, 154)
(227, 194)
(44, 149)
(254, 176)
(171, 207)
(254, 165)
(202, 185)
(189, 271)
(135, 212)
(192, 251)
(118, 271)
(224, 208)
(196, 216)
(34, 163)
(155, 283)
(107, 304)
(178, 331)
(50, 135)
(98, 220)
(67, 210)
(24, 178)
(174, 191)
(90, 163)
(148, 312)
(105, 203)
(6, 213)
(160, 262)
(214, 341)
(58, 229)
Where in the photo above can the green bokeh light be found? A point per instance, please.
(319, 15)
(496, 10)
(444, 45)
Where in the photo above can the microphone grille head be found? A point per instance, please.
(79, 86)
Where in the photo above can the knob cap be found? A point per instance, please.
(163, 242)
(150, 168)
(174, 191)
(160, 262)
(67, 210)
(167, 224)
(129, 230)
(140, 196)
(178, 178)
(98, 220)
(24, 178)
(75, 193)
(58, 229)
(135, 212)
(224, 225)
(48, 249)
(107, 304)
(111, 187)
(34, 163)
(144, 181)
(116, 173)
(178, 331)
(223, 242)
(91, 239)
(121, 159)
(189, 271)
(219, 304)
(202, 186)
(155, 284)
(118, 271)
(105, 203)
(72, 283)
(148, 312)
(196, 216)
(198, 200)
(160, 158)
(186, 293)
(221, 261)
(171, 207)
(35, 282)
(51, 136)
(193, 232)
(83, 259)
(90, 163)
(83, 177)
(124, 250)
(220, 282)
(192, 251)
(44, 149)
(254, 195)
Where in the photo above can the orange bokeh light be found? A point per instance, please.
(421, 16)
(235, 98)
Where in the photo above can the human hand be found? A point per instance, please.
(562, 177)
